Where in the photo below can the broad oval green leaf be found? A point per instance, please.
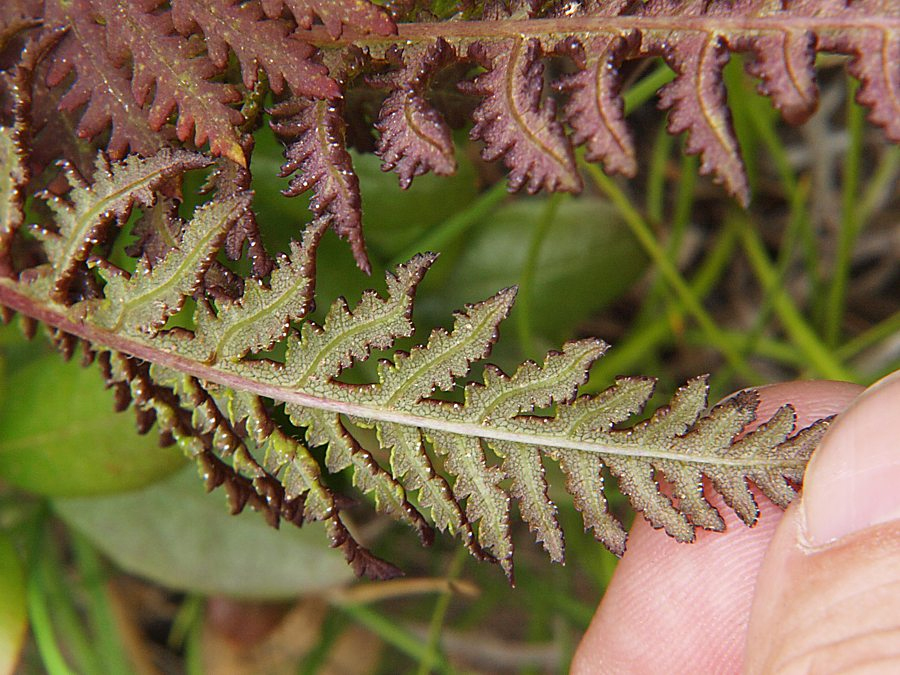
(13, 613)
(176, 535)
(586, 258)
(60, 435)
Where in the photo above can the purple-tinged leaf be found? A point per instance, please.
(158, 231)
(875, 50)
(230, 179)
(257, 42)
(696, 100)
(783, 56)
(879, 77)
(415, 138)
(315, 130)
(784, 62)
(15, 142)
(594, 109)
(14, 12)
(363, 561)
(513, 122)
(54, 136)
(101, 86)
(360, 15)
(166, 65)
(16, 16)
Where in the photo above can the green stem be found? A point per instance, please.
(850, 223)
(774, 350)
(43, 585)
(104, 629)
(752, 339)
(634, 348)
(667, 268)
(193, 644)
(524, 299)
(684, 202)
(763, 122)
(440, 612)
(189, 613)
(879, 184)
(820, 357)
(647, 87)
(869, 338)
(42, 630)
(656, 174)
(394, 634)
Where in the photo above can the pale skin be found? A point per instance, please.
(815, 589)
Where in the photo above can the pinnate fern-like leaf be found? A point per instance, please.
(147, 298)
(875, 49)
(451, 453)
(12, 182)
(414, 137)
(696, 104)
(93, 209)
(263, 315)
(165, 66)
(318, 151)
(515, 123)
(454, 463)
(594, 109)
(100, 84)
(363, 15)
(226, 25)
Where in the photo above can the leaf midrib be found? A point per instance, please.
(160, 288)
(783, 22)
(132, 345)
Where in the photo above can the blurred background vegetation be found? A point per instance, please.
(125, 565)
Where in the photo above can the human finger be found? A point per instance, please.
(828, 597)
(675, 608)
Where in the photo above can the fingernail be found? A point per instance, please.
(853, 479)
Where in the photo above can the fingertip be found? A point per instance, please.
(667, 600)
(811, 399)
(685, 607)
(858, 461)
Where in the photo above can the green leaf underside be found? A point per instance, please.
(12, 180)
(459, 452)
(264, 313)
(149, 297)
(492, 443)
(110, 198)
